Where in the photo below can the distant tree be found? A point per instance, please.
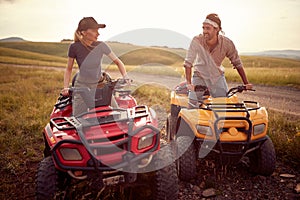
(66, 40)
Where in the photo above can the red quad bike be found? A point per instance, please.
(105, 148)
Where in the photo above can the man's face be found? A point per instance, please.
(209, 31)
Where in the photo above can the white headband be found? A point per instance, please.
(214, 24)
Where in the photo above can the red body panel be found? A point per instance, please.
(107, 142)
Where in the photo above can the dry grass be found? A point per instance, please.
(260, 70)
(27, 97)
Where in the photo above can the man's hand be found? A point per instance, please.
(249, 86)
(190, 87)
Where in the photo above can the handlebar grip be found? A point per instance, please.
(200, 88)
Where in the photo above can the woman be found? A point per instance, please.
(88, 53)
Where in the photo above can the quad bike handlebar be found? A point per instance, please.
(117, 84)
(101, 94)
(237, 89)
(122, 82)
(200, 88)
(231, 91)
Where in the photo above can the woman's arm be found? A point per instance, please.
(119, 63)
(67, 76)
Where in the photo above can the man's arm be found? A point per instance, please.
(188, 74)
(188, 77)
(242, 74)
(237, 63)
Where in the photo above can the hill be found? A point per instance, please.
(48, 48)
(259, 69)
(12, 39)
(292, 54)
(23, 57)
(139, 55)
(129, 53)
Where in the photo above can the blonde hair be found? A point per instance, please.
(78, 37)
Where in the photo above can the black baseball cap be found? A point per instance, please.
(89, 22)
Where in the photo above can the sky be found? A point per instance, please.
(255, 25)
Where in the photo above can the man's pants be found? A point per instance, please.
(218, 89)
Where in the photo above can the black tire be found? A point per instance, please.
(186, 163)
(172, 122)
(175, 109)
(171, 127)
(47, 148)
(50, 182)
(165, 179)
(183, 129)
(263, 160)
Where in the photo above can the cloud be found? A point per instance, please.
(283, 17)
(9, 1)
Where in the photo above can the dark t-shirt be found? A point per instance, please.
(89, 59)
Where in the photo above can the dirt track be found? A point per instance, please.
(283, 99)
(278, 98)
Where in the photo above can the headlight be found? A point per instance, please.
(258, 129)
(145, 141)
(70, 154)
(205, 130)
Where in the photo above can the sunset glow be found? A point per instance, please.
(252, 25)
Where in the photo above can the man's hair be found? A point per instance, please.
(215, 18)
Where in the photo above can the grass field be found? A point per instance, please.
(260, 70)
(26, 105)
(27, 97)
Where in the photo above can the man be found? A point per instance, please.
(206, 54)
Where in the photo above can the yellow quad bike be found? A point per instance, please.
(223, 129)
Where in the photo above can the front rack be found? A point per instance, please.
(218, 108)
(116, 115)
(230, 107)
(99, 145)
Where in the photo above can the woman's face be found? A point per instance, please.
(91, 35)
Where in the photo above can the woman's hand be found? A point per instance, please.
(127, 79)
(65, 92)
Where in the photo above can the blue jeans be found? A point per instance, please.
(219, 89)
